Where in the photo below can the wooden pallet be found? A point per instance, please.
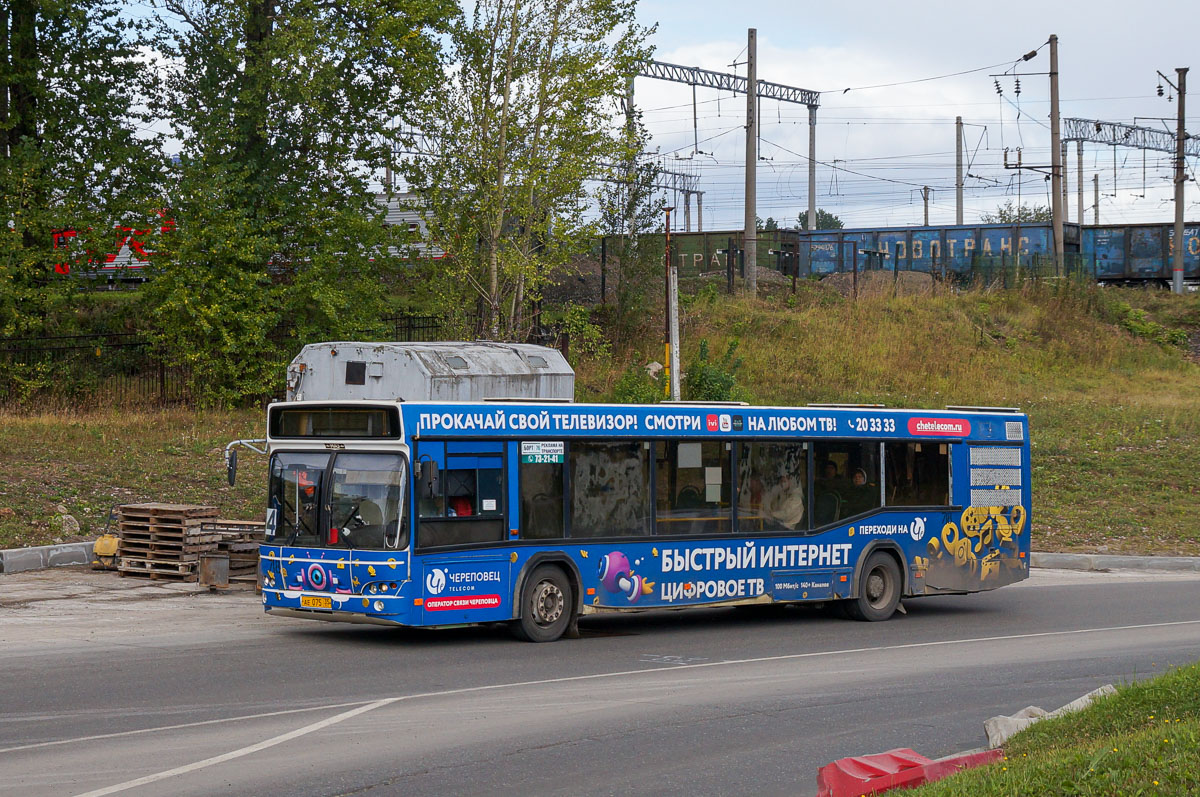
(163, 540)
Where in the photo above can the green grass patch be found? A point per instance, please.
(89, 462)
(1143, 740)
(1115, 414)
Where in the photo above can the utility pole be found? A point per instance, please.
(1079, 179)
(671, 388)
(958, 173)
(1056, 173)
(750, 235)
(1180, 179)
(812, 167)
(699, 211)
(925, 192)
(1096, 201)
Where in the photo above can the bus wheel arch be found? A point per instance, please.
(544, 580)
(880, 582)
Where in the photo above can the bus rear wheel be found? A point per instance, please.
(546, 605)
(879, 593)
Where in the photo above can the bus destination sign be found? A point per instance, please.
(542, 452)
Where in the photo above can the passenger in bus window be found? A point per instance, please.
(861, 495)
(785, 505)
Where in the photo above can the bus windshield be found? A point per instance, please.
(363, 507)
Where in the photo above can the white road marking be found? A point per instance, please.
(197, 724)
(244, 751)
(316, 726)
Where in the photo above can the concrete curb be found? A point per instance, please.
(17, 560)
(1100, 562)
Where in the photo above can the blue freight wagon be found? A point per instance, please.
(1139, 252)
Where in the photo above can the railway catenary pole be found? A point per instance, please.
(1180, 179)
(723, 81)
(750, 242)
(1065, 183)
(812, 167)
(1056, 165)
(958, 170)
(925, 191)
(1096, 200)
(670, 312)
(1079, 180)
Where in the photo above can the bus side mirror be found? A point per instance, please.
(428, 473)
(231, 466)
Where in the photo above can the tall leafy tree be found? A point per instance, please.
(287, 112)
(630, 211)
(75, 160)
(522, 121)
(825, 220)
(1010, 213)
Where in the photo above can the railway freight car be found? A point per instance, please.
(953, 250)
(1135, 253)
(1139, 252)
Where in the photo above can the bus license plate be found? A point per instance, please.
(315, 602)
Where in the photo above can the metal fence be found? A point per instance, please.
(124, 368)
(87, 371)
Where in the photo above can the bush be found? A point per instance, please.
(637, 387)
(714, 381)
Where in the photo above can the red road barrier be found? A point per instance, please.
(899, 768)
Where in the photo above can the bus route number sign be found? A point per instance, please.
(543, 452)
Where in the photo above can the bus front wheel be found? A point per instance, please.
(546, 605)
(879, 593)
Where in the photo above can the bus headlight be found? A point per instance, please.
(378, 606)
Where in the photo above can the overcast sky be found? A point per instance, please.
(1108, 54)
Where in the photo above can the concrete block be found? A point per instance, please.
(18, 560)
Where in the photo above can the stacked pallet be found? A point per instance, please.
(163, 540)
(240, 540)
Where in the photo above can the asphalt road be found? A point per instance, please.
(108, 688)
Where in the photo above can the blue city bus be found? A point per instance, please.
(536, 513)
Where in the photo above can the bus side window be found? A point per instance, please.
(846, 481)
(541, 501)
(772, 487)
(610, 489)
(918, 474)
(694, 487)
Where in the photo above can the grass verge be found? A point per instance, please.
(1143, 740)
(1114, 409)
(88, 462)
(1114, 406)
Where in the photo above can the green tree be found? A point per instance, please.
(1008, 213)
(522, 120)
(630, 212)
(74, 94)
(287, 113)
(770, 224)
(825, 220)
